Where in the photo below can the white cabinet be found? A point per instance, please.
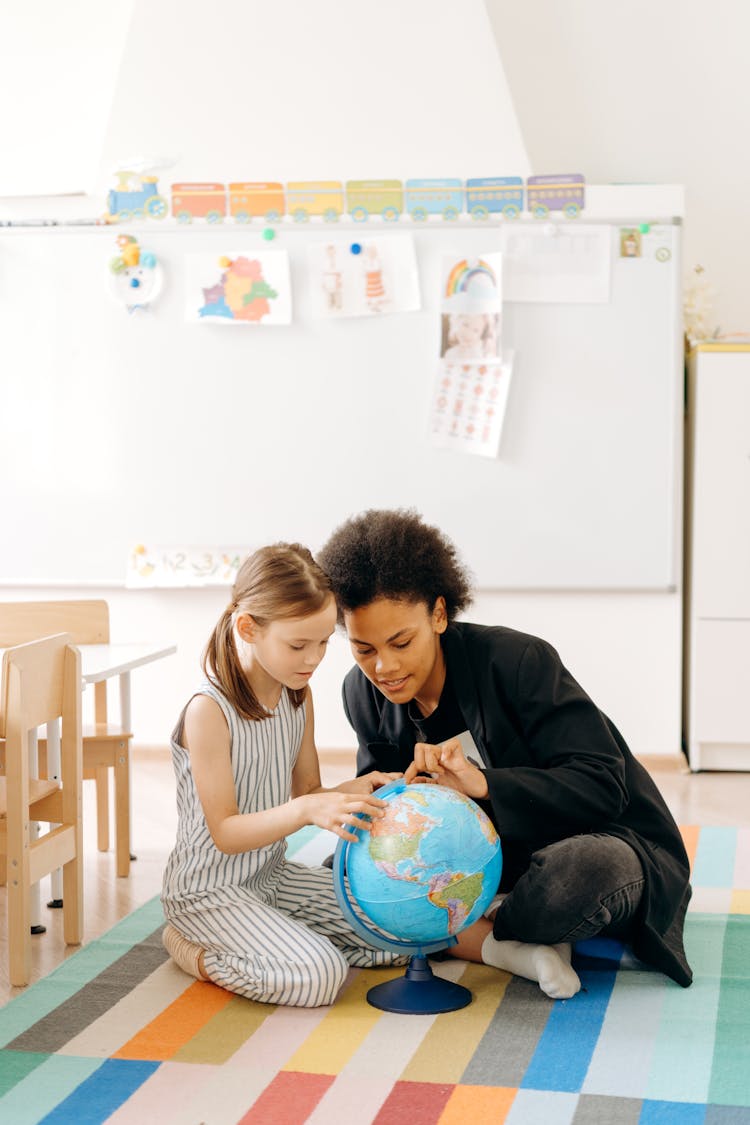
(716, 680)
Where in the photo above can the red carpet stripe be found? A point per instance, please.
(289, 1100)
(414, 1103)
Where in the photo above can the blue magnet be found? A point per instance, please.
(269, 233)
(355, 248)
(134, 283)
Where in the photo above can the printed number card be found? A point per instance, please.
(175, 567)
(473, 377)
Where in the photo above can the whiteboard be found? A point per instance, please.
(120, 429)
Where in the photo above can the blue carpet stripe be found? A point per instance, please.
(565, 1048)
(715, 857)
(672, 1113)
(102, 1093)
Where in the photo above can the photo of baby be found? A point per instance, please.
(470, 336)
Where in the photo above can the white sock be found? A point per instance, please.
(183, 952)
(548, 965)
(489, 912)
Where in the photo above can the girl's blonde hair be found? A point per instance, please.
(276, 582)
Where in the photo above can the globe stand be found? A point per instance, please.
(419, 992)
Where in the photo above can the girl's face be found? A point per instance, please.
(396, 643)
(286, 651)
(468, 328)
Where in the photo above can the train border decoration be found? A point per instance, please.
(498, 197)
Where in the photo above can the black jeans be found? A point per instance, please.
(573, 889)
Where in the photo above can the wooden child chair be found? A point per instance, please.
(106, 745)
(42, 683)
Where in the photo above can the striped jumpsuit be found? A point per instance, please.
(272, 930)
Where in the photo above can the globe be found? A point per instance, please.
(423, 873)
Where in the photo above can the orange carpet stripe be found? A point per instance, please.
(690, 835)
(478, 1104)
(163, 1037)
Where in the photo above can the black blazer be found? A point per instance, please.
(556, 766)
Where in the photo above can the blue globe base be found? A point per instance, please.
(419, 992)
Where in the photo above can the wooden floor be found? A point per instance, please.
(705, 799)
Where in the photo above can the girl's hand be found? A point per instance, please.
(448, 766)
(341, 813)
(368, 782)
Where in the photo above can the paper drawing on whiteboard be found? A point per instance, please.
(248, 287)
(471, 309)
(554, 264)
(363, 278)
(469, 405)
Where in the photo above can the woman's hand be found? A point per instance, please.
(368, 782)
(448, 766)
(341, 812)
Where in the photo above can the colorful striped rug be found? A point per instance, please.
(118, 1034)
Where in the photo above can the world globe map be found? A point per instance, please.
(428, 868)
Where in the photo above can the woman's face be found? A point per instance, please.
(396, 643)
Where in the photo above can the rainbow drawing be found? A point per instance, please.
(464, 273)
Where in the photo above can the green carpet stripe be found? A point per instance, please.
(683, 1051)
(64, 981)
(15, 1065)
(730, 1080)
(42, 1090)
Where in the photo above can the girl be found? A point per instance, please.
(589, 845)
(238, 913)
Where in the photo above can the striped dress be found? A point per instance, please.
(272, 930)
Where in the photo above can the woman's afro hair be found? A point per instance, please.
(394, 554)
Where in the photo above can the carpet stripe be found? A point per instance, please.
(414, 1103)
(343, 1028)
(42, 1090)
(562, 1057)
(714, 860)
(542, 1107)
(162, 1037)
(360, 1089)
(741, 878)
(95, 998)
(690, 834)
(288, 1100)
(594, 1109)
(105, 1035)
(225, 1032)
(478, 1104)
(730, 1074)
(683, 1048)
(100, 1094)
(171, 1088)
(449, 1045)
(83, 966)
(636, 1003)
(508, 1044)
(670, 1113)
(230, 1090)
(740, 902)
